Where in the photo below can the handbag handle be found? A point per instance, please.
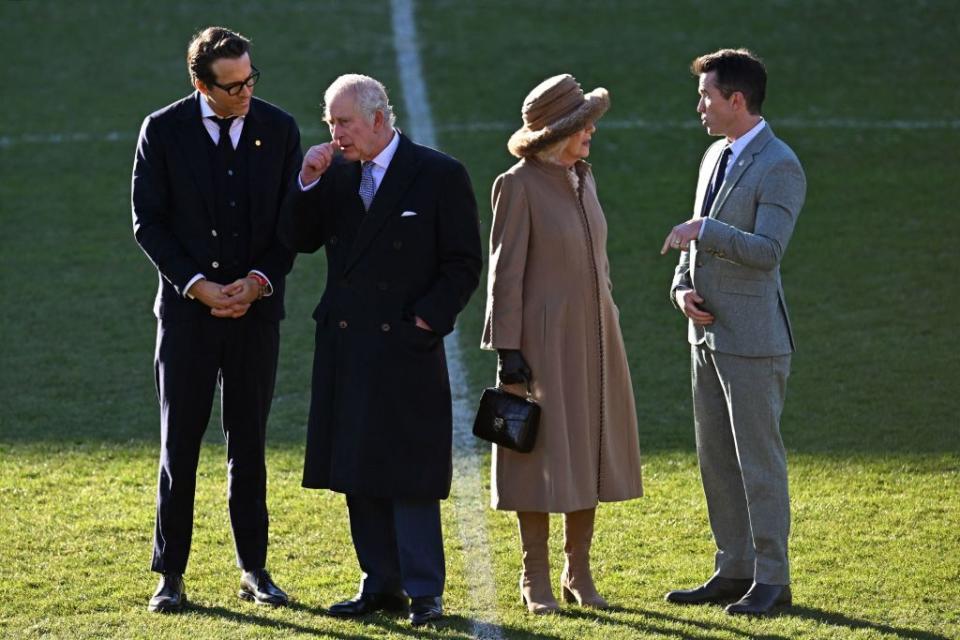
(527, 381)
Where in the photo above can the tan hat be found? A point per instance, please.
(555, 109)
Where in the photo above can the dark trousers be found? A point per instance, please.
(192, 358)
(399, 545)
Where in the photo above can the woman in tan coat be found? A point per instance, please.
(552, 320)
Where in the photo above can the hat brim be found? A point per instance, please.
(526, 142)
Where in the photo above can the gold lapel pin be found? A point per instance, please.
(257, 142)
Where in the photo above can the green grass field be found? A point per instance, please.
(867, 94)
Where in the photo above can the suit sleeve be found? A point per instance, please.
(277, 261)
(509, 239)
(150, 206)
(780, 196)
(458, 251)
(302, 219)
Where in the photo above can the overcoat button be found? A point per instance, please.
(213, 232)
(397, 244)
(342, 324)
(385, 327)
(215, 264)
(334, 240)
(382, 286)
(699, 264)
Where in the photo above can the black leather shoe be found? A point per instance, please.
(365, 603)
(761, 599)
(424, 609)
(716, 590)
(169, 596)
(257, 586)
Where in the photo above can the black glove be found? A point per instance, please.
(512, 368)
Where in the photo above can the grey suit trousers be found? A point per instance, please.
(737, 402)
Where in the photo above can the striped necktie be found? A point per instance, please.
(367, 186)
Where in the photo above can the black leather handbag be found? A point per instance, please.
(507, 420)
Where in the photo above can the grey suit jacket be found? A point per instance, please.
(735, 266)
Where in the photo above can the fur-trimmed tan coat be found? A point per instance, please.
(549, 295)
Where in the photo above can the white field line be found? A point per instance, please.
(467, 493)
(428, 136)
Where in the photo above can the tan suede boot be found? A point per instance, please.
(535, 591)
(576, 581)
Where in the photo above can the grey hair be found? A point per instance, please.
(370, 94)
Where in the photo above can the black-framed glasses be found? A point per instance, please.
(234, 88)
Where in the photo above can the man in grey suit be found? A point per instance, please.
(727, 283)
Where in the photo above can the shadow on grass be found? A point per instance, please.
(709, 629)
(383, 623)
(831, 618)
(854, 624)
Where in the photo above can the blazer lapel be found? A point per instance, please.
(706, 174)
(743, 163)
(403, 168)
(193, 139)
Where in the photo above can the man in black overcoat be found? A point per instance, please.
(209, 177)
(399, 225)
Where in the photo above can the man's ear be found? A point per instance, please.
(199, 86)
(378, 120)
(738, 101)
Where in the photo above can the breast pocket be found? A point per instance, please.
(743, 287)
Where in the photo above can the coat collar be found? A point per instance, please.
(403, 169)
(760, 141)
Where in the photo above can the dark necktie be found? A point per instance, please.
(225, 144)
(367, 185)
(716, 183)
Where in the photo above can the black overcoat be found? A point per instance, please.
(380, 414)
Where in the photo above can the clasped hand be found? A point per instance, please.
(227, 301)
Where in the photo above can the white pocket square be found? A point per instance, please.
(408, 214)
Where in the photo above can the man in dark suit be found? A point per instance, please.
(208, 180)
(727, 283)
(399, 225)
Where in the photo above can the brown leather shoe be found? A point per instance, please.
(257, 586)
(170, 595)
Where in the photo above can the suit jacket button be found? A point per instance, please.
(385, 327)
(397, 244)
(382, 286)
(342, 324)
(213, 232)
(333, 240)
(699, 264)
(215, 264)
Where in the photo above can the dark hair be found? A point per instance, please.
(737, 70)
(210, 45)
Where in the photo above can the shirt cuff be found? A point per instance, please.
(193, 280)
(306, 187)
(267, 290)
(700, 233)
